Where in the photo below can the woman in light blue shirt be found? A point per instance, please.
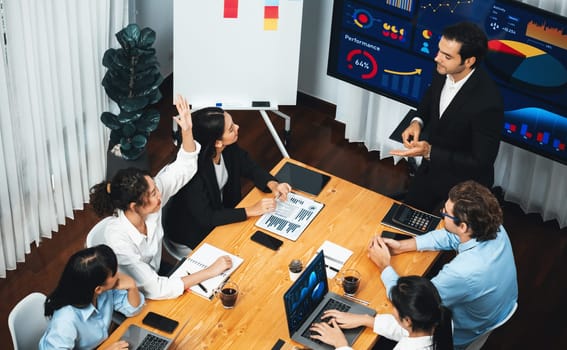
(81, 306)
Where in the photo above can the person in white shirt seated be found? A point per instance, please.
(419, 320)
(135, 232)
(81, 306)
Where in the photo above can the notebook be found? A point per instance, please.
(200, 259)
(308, 296)
(291, 217)
(302, 179)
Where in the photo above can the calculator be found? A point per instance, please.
(413, 218)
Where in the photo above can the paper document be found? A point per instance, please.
(335, 257)
(291, 217)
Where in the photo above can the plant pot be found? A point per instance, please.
(114, 163)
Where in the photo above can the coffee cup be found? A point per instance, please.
(228, 293)
(295, 268)
(350, 281)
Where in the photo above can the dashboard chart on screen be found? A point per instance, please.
(388, 47)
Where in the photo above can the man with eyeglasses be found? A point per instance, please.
(479, 285)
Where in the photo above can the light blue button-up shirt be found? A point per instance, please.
(85, 328)
(479, 285)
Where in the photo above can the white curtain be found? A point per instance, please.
(536, 183)
(52, 143)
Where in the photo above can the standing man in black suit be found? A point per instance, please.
(458, 123)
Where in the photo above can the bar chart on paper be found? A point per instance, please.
(291, 217)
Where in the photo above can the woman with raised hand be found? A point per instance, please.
(210, 198)
(419, 321)
(135, 233)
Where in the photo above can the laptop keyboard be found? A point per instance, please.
(332, 304)
(151, 342)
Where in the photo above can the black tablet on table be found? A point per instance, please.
(302, 179)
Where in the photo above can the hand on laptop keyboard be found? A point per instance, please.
(329, 333)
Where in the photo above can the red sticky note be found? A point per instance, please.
(271, 11)
(230, 8)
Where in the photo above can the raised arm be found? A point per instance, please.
(185, 123)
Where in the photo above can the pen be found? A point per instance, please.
(200, 285)
(356, 299)
(332, 268)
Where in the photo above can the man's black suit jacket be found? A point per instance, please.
(464, 140)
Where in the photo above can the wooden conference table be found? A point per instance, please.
(351, 216)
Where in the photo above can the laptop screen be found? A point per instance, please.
(303, 179)
(306, 293)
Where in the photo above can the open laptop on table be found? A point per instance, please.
(308, 297)
(139, 338)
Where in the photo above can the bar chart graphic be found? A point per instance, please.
(540, 131)
(291, 217)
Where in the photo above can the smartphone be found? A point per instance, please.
(160, 322)
(395, 235)
(266, 240)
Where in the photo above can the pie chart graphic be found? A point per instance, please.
(522, 63)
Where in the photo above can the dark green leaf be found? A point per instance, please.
(115, 136)
(129, 117)
(128, 37)
(128, 130)
(149, 121)
(155, 97)
(125, 144)
(147, 38)
(139, 141)
(131, 104)
(110, 120)
(109, 57)
(132, 153)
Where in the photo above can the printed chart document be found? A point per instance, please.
(291, 217)
(335, 257)
(202, 258)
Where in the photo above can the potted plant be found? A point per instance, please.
(132, 81)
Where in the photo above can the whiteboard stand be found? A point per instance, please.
(273, 131)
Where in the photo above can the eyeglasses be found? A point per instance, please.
(443, 212)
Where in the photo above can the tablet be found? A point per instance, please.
(302, 179)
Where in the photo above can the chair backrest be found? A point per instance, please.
(176, 250)
(478, 343)
(27, 322)
(96, 234)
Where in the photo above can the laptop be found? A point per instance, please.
(143, 339)
(302, 179)
(308, 297)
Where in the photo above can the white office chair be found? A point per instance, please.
(478, 343)
(27, 322)
(96, 234)
(176, 250)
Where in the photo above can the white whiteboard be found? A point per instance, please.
(235, 61)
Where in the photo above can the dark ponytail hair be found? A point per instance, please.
(208, 127)
(127, 186)
(417, 298)
(85, 270)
